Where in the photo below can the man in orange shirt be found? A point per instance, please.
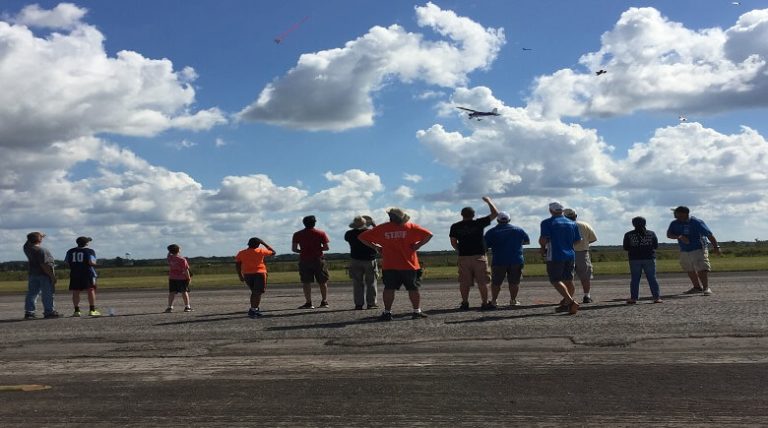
(253, 272)
(398, 240)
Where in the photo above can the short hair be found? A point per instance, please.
(467, 212)
(35, 237)
(638, 222)
(309, 221)
(254, 242)
(174, 249)
(682, 209)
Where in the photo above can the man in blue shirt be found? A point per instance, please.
(506, 242)
(691, 234)
(558, 235)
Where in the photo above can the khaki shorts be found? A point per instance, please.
(695, 261)
(473, 269)
(316, 270)
(583, 265)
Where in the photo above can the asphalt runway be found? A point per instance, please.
(690, 361)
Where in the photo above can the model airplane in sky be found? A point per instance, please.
(475, 114)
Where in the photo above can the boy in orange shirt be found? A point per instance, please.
(253, 272)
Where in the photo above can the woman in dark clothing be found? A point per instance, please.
(641, 245)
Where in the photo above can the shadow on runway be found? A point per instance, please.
(341, 324)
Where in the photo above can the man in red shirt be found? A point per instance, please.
(310, 244)
(398, 240)
(251, 270)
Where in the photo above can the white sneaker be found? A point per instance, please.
(707, 291)
(514, 302)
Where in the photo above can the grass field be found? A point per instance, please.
(124, 280)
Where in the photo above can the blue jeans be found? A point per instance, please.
(636, 268)
(39, 284)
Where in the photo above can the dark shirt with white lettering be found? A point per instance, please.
(641, 245)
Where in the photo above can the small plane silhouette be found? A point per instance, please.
(527, 49)
(599, 72)
(474, 114)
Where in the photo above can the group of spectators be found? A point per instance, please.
(564, 244)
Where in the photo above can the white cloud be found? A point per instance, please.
(183, 144)
(404, 192)
(344, 78)
(63, 16)
(692, 163)
(657, 64)
(428, 95)
(354, 190)
(413, 178)
(517, 154)
(64, 86)
(220, 142)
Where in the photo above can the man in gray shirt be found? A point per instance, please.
(42, 278)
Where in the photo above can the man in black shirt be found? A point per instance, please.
(362, 267)
(467, 238)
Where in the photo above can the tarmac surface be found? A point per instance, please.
(693, 360)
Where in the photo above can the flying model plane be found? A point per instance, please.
(599, 72)
(474, 114)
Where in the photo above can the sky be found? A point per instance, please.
(144, 123)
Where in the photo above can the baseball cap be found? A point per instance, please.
(555, 206)
(569, 212)
(503, 217)
(83, 240)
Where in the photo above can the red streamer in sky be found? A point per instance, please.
(295, 27)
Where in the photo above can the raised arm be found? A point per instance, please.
(494, 211)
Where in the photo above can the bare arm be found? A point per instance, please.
(494, 211)
(295, 247)
(269, 248)
(715, 245)
(239, 269)
(369, 244)
(455, 243)
(681, 238)
(543, 241)
(422, 243)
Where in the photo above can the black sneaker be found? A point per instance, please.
(562, 308)
(52, 314)
(694, 290)
(373, 306)
(306, 306)
(188, 309)
(418, 315)
(30, 316)
(587, 299)
(385, 316)
(464, 306)
(358, 307)
(323, 304)
(487, 307)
